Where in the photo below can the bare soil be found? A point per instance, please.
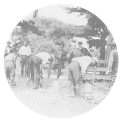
(51, 102)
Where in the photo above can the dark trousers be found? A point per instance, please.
(59, 71)
(24, 64)
(36, 71)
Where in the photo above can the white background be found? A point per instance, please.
(111, 110)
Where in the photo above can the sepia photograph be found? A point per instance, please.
(61, 61)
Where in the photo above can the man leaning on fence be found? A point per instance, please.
(24, 52)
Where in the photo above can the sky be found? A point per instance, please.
(56, 11)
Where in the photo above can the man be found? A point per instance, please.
(74, 52)
(24, 52)
(113, 62)
(10, 65)
(8, 48)
(36, 64)
(46, 58)
(84, 51)
(59, 61)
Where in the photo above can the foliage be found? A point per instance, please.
(44, 34)
(48, 34)
(94, 28)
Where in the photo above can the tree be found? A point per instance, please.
(29, 26)
(94, 28)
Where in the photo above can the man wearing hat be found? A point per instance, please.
(84, 51)
(24, 52)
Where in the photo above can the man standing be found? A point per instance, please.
(84, 51)
(60, 60)
(24, 52)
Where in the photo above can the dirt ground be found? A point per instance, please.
(52, 101)
(48, 101)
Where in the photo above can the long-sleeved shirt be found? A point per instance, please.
(25, 50)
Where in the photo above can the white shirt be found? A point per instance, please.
(10, 57)
(84, 62)
(25, 50)
(44, 56)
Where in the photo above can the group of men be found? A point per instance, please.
(10, 57)
(26, 58)
(76, 54)
(80, 55)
